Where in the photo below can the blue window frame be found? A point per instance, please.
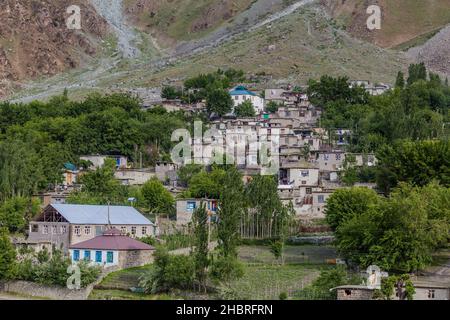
(87, 255)
(190, 206)
(76, 255)
(98, 256)
(321, 198)
(109, 257)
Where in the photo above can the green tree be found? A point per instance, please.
(400, 80)
(398, 234)
(219, 102)
(417, 72)
(16, 212)
(418, 162)
(7, 255)
(343, 204)
(272, 107)
(157, 198)
(245, 109)
(231, 208)
(200, 250)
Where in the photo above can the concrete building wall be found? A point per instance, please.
(354, 294)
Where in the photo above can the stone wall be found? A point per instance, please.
(354, 294)
(135, 258)
(54, 292)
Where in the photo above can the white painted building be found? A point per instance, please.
(240, 94)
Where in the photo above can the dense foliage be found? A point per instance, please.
(398, 233)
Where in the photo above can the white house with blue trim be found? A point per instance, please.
(240, 94)
(112, 248)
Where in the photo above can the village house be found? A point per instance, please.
(133, 177)
(240, 94)
(330, 160)
(186, 207)
(67, 224)
(99, 160)
(112, 249)
(164, 169)
(70, 174)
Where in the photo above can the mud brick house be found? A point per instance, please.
(186, 207)
(67, 224)
(112, 249)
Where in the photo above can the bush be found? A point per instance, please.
(226, 269)
(170, 272)
(283, 296)
(53, 271)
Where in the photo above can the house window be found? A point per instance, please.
(133, 231)
(77, 230)
(338, 156)
(144, 230)
(308, 190)
(34, 228)
(123, 229)
(321, 198)
(190, 206)
(431, 294)
(98, 256)
(87, 255)
(76, 255)
(87, 230)
(45, 230)
(109, 257)
(54, 229)
(63, 229)
(305, 173)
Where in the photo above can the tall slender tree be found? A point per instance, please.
(200, 250)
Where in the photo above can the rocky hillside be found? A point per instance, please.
(35, 41)
(403, 21)
(146, 42)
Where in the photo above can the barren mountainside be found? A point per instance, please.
(142, 42)
(34, 39)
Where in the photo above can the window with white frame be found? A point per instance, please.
(321, 198)
(144, 230)
(45, 229)
(63, 229)
(54, 229)
(87, 230)
(305, 173)
(133, 231)
(338, 156)
(77, 230)
(123, 229)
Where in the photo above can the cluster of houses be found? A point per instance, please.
(310, 162)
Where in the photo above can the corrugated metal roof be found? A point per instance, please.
(94, 214)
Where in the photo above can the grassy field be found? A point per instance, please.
(264, 278)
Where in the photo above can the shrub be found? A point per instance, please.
(226, 269)
(170, 272)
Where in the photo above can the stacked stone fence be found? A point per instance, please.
(32, 289)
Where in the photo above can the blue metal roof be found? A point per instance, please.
(70, 166)
(94, 214)
(241, 90)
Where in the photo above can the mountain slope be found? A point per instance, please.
(34, 40)
(402, 20)
(301, 45)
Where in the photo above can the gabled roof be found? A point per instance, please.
(241, 90)
(112, 240)
(95, 214)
